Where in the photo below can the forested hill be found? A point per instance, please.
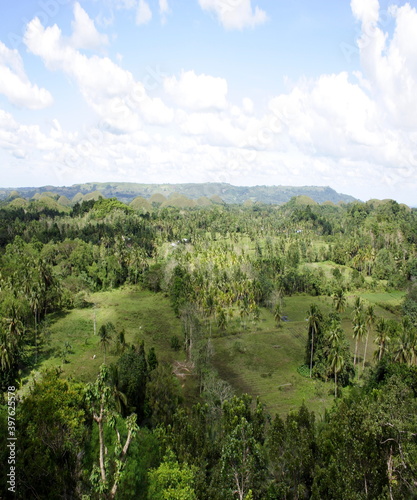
(126, 192)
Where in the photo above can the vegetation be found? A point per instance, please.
(213, 352)
(203, 194)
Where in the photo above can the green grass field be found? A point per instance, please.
(143, 315)
(261, 358)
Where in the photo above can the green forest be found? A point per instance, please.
(211, 351)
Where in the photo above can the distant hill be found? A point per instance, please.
(127, 192)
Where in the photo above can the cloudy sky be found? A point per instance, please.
(300, 92)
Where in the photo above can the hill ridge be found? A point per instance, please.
(127, 191)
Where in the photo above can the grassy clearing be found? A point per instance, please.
(261, 359)
(142, 314)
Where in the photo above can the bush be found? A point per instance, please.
(175, 343)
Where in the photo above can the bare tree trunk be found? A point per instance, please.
(356, 352)
(99, 420)
(390, 475)
(366, 347)
(311, 354)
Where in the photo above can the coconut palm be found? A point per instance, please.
(9, 351)
(314, 318)
(382, 338)
(105, 338)
(120, 398)
(337, 362)
(335, 333)
(403, 351)
(357, 306)
(339, 301)
(370, 319)
(278, 313)
(406, 345)
(359, 331)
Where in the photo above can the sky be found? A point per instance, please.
(248, 92)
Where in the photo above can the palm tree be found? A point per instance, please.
(359, 330)
(403, 350)
(105, 338)
(370, 320)
(120, 398)
(382, 339)
(9, 351)
(278, 313)
(335, 333)
(357, 306)
(337, 362)
(314, 318)
(339, 301)
(406, 344)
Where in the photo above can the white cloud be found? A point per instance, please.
(109, 90)
(197, 92)
(235, 14)
(247, 105)
(85, 34)
(338, 129)
(143, 13)
(164, 7)
(24, 141)
(164, 10)
(15, 85)
(365, 11)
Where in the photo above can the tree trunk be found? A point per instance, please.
(311, 354)
(356, 352)
(366, 347)
(99, 420)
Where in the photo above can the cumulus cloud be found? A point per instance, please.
(85, 34)
(197, 92)
(390, 67)
(365, 11)
(339, 129)
(15, 85)
(109, 90)
(143, 13)
(235, 14)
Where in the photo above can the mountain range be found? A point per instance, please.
(126, 192)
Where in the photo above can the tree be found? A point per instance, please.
(241, 462)
(171, 480)
(52, 430)
(337, 362)
(105, 333)
(120, 398)
(382, 338)
(314, 319)
(370, 321)
(106, 477)
(359, 331)
(278, 313)
(405, 345)
(339, 301)
(152, 359)
(291, 451)
(163, 395)
(133, 379)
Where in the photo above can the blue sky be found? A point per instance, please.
(307, 92)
